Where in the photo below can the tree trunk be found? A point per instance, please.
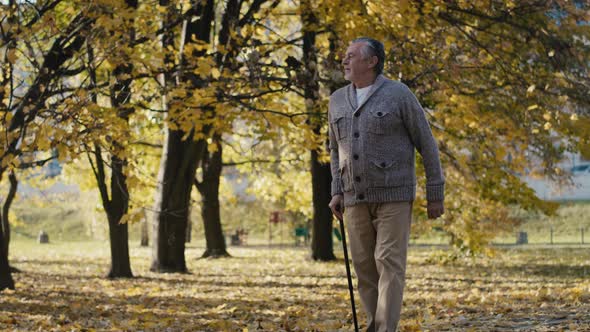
(5, 210)
(211, 162)
(117, 205)
(177, 172)
(119, 202)
(6, 280)
(120, 262)
(210, 209)
(321, 243)
(180, 158)
(5, 270)
(119, 232)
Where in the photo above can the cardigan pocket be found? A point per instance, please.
(380, 121)
(340, 126)
(381, 173)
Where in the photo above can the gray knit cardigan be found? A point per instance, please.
(372, 145)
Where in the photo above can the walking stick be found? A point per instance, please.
(356, 326)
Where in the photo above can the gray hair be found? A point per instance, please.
(373, 47)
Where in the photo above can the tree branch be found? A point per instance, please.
(36, 163)
(259, 161)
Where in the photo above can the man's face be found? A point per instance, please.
(355, 66)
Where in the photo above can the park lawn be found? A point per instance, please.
(570, 225)
(259, 289)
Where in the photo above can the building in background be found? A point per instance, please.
(578, 190)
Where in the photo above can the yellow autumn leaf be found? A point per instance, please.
(215, 73)
(547, 116)
(530, 89)
(547, 126)
(11, 55)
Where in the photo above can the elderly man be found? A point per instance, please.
(376, 124)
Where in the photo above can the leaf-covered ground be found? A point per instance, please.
(61, 289)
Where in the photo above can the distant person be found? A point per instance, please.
(376, 124)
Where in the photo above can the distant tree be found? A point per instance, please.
(116, 200)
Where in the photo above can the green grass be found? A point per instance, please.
(79, 219)
(567, 225)
(63, 217)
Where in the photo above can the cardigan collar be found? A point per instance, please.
(351, 92)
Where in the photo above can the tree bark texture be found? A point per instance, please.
(118, 232)
(6, 281)
(6, 209)
(210, 209)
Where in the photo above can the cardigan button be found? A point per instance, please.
(355, 157)
(356, 135)
(357, 114)
(357, 178)
(360, 197)
(383, 164)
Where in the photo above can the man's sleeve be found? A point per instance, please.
(336, 187)
(417, 125)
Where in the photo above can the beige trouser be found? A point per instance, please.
(378, 234)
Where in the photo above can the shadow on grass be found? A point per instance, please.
(549, 270)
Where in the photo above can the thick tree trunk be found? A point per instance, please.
(6, 280)
(210, 209)
(177, 172)
(321, 242)
(120, 262)
(118, 232)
